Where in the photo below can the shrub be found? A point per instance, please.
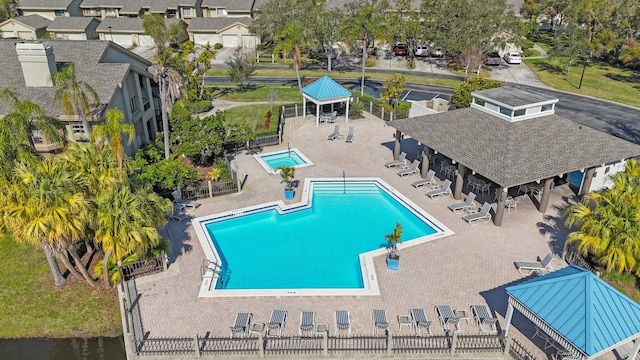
(198, 107)
(356, 108)
(217, 46)
(371, 61)
(531, 52)
(527, 44)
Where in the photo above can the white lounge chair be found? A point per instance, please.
(447, 317)
(462, 206)
(420, 321)
(350, 135)
(400, 162)
(540, 267)
(486, 322)
(307, 322)
(178, 200)
(342, 322)
(412, 170)
(335, 133)
(380, 322)
(277, 322)
(241, 324)
(426, 181)
(444, 190)
(482, 215)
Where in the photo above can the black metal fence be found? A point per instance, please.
(573, 256)
(144, 267)
(518, 352)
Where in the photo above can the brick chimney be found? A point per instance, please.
(38, 63)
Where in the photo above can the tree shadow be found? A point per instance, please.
(633, 78)
(624, 130)
(179, 237)
(555, 227)
(551, 68)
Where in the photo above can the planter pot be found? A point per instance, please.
(289, 194)
(393, 264)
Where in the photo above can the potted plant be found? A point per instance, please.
(393, 239)
(287, 173)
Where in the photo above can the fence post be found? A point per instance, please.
(389, 343)
(382, 116)
(454, 339)
(370, 107)
(391, 116)
(273, 59)
(196, 343)
(296, 107)
(165, 260)
(507, 344)
(257, 58)
(325, 343)
(210, 188)
(261, 344)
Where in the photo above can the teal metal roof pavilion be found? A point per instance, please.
(581, 312)
(325, 91)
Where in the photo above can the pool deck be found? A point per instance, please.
(471, 267)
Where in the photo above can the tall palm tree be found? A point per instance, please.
(46, 206)
(112, 131)
(366, 22)
(76, 98)
(203, 63)
(171, 88)
(290, 38)
(127, 223)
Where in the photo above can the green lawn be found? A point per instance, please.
(600, 80)
(259, 93)
(253, 115)
(32, 306)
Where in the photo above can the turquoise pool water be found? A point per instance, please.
(312, 248)
(286, 158)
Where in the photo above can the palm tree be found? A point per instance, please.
(366, 22)
(112, 131)
(203, 63)
(290, 38)
(46, 206)
(171, 88)
(127, 223)
(393, 239)
(76, 98)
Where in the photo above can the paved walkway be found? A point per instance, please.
(471, 267)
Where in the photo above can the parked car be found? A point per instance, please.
(421, 50)
(400, 49)
(512, 58)
(493, 58)
(437, 51)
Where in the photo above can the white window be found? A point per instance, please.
(59, 13)
(110, 11)
(186, 11)
(222, 12)
(133, 101)
(36, 136)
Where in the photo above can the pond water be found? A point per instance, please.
(63, 349)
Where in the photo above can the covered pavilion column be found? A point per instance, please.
(546, 192)
(317, 114)
(346, 115)
(304, 107)
(636, 349)
(396, 145)
(502, 197)
(424, 166)
(588, 177)
(457, 192)
(507, 320)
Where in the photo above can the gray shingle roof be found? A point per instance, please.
(137, 4)
(44, 4)
(215, 24)
(229, 4)
(72, 23)
(33, 21)
(87, 55)
(514, 153)
(127, 25)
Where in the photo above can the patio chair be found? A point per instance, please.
(333, 116)
(540, 267)
(566, 355)
(335, 133)
(428, 181)
(420, 322)
(444, 190)
(307, 322)
(380, 322)
(178, 216)
(399, 162)
(482, 215)
(486, 322)
(240, 324)
(466, 204)
(277, 322)
(511, 203)
(447, 317)
(350, 135)
(412, 170)
(189, 204)
(342, 322)
(485, 188)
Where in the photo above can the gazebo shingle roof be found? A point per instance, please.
(514, 153)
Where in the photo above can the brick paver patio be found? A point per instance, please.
(471, 267)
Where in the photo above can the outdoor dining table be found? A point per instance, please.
(449, 170)
(325, 117)
(477, 184)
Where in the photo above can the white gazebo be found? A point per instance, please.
(325, 91)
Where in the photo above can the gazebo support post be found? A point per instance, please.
(346, 115)
(317, 115)
(636, 349)
(396, 146)
(457, 192)
(546, 193)
(502, 197)
(507, 321)
(424, 165)
(588, 177)
(304, 107)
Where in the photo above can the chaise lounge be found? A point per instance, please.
(444, 190)
(420, 321)
(539, 267)
(486, 322)
(335, 133)
(412, 170)
(399, 162)
(465, 205)
(482, 215)
(428, 181)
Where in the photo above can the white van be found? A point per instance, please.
(422, 50)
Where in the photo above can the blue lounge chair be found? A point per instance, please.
(447, 317)
(307, 322)
(241, 324)
(420, 321)
(486, 322)
(342, 322)
(335, 133)
(277, 322)
(380, 322)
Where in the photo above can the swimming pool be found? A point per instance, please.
(321, 246)
(291, 157)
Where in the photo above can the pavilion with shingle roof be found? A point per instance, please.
(579, 311)
(325, 91)
(512, 137)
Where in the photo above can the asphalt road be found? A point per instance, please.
(616, 119)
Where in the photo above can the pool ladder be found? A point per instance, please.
(208, 265)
